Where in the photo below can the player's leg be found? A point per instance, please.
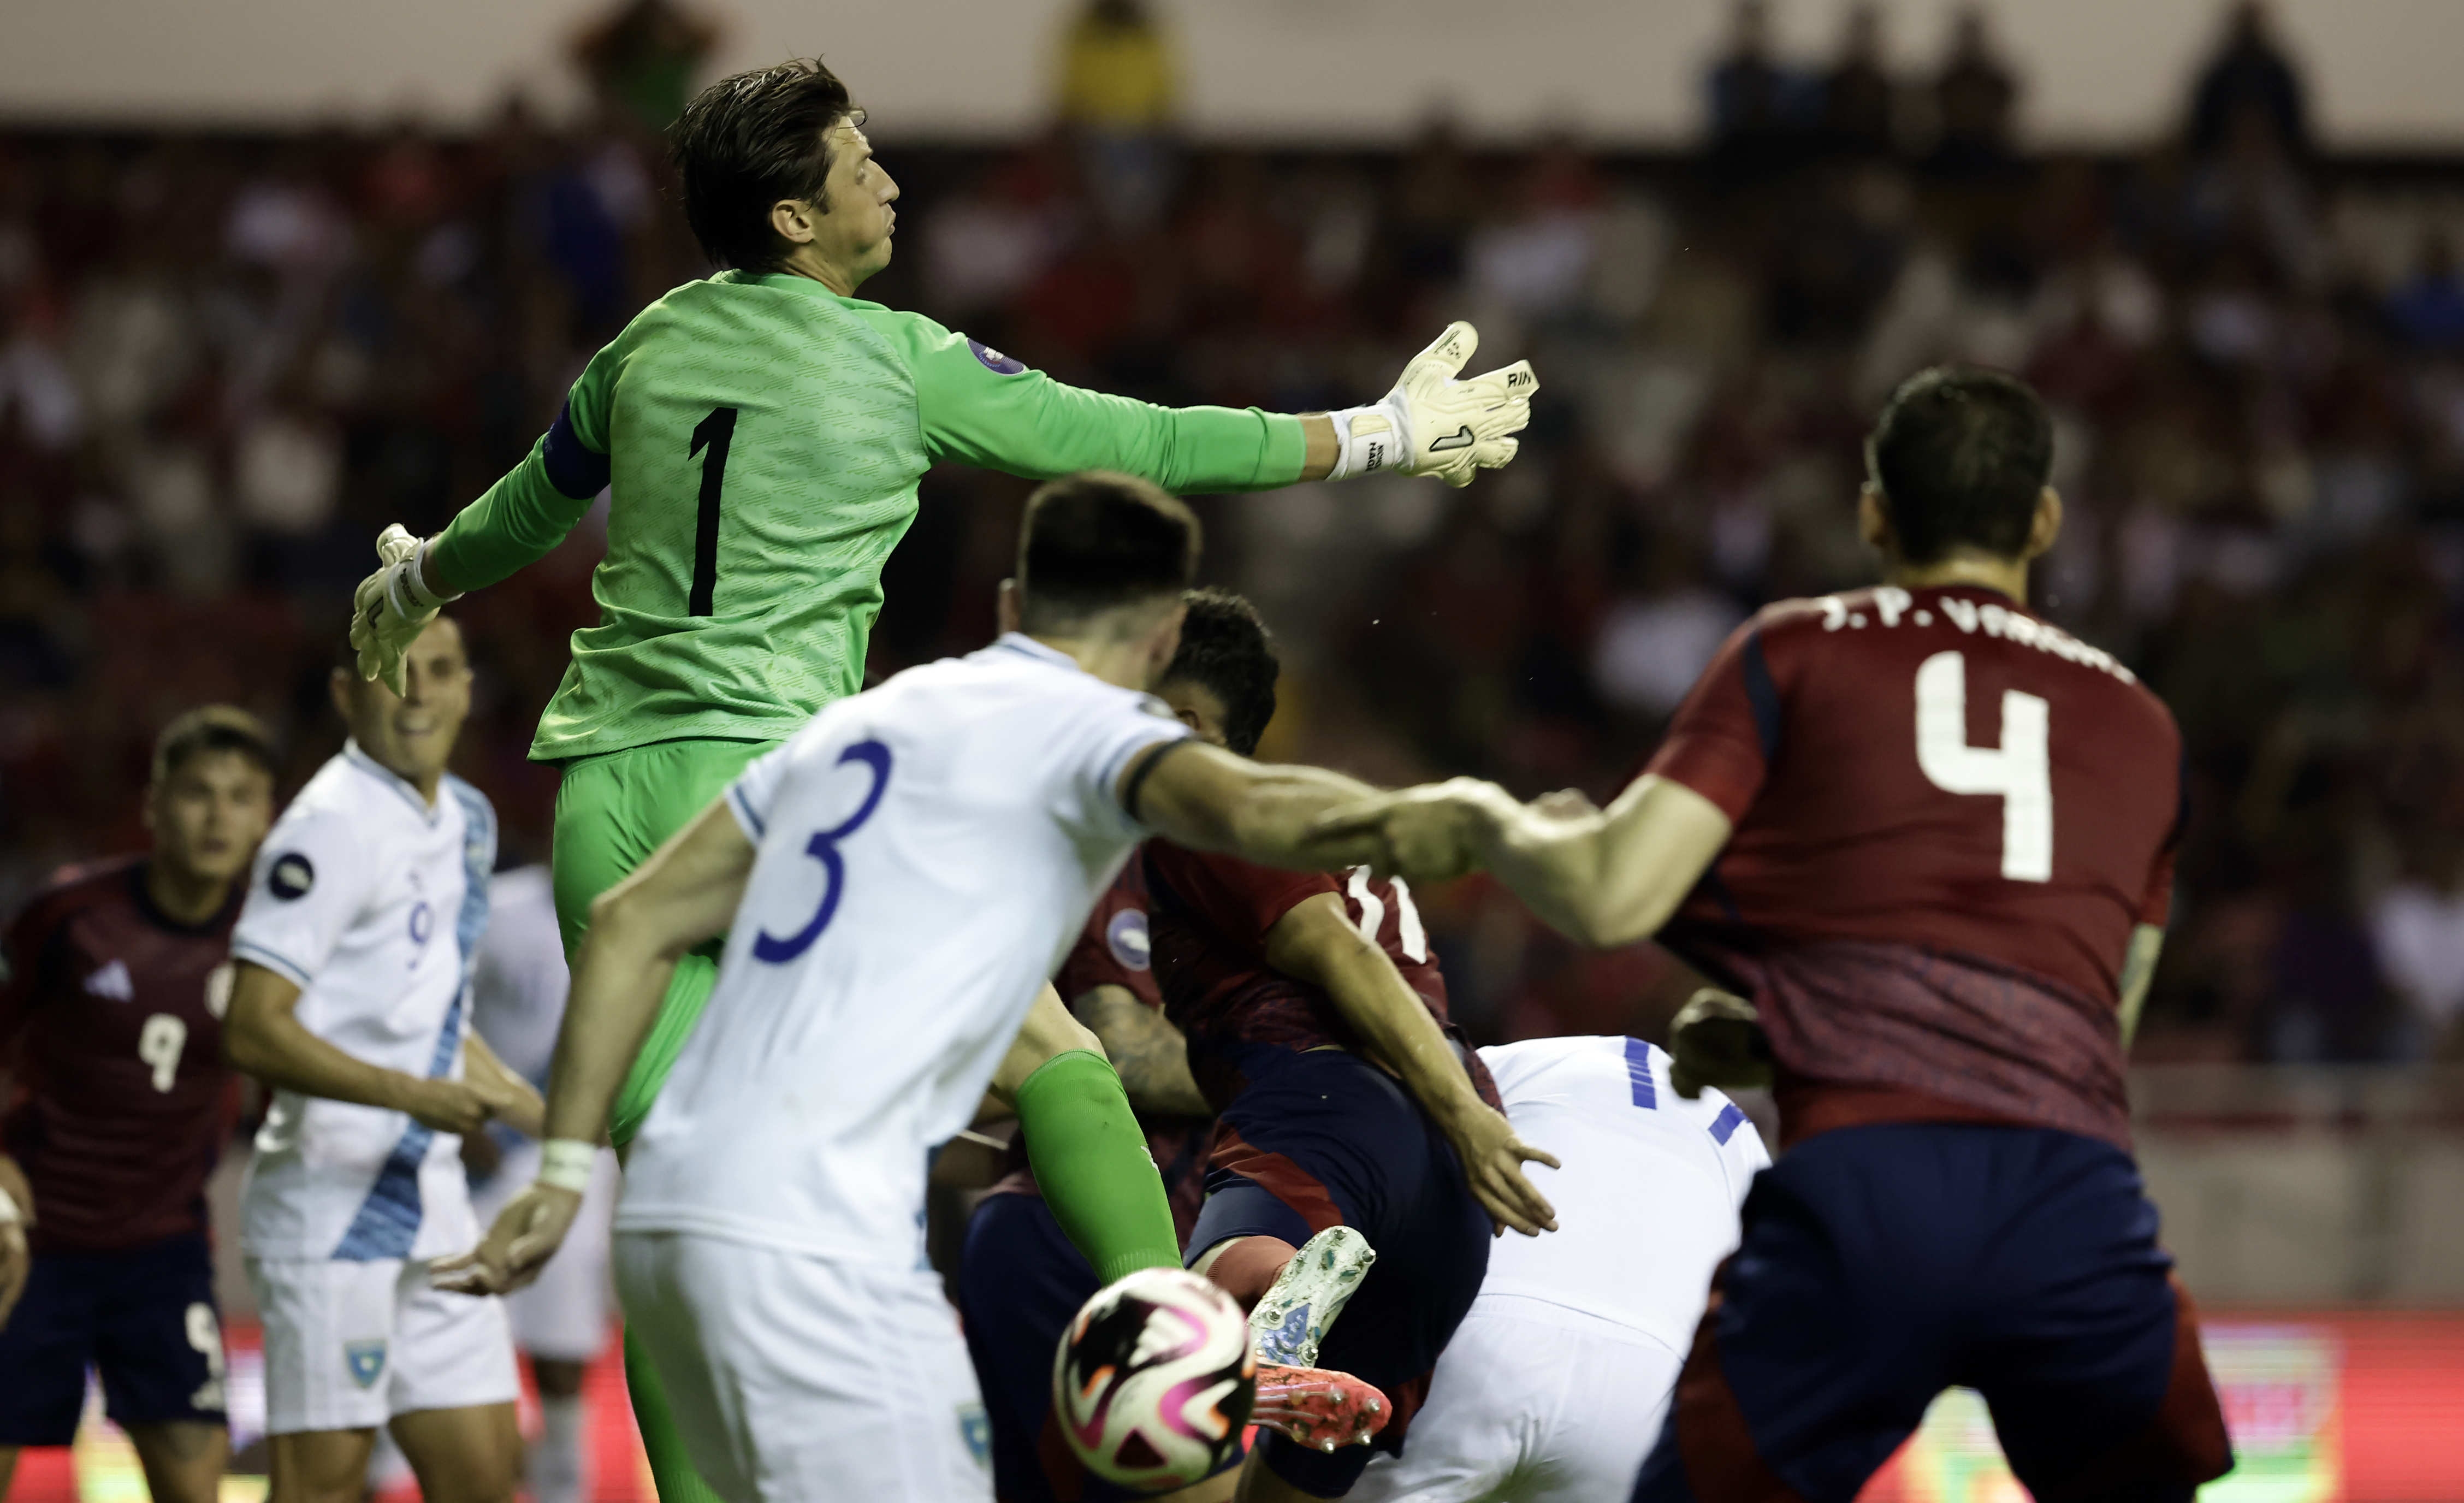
(159, 1348)
(1585, 1443)
(2087, 1349)
(1829, 1330)
(44, 1349)
(796, 1378)
(451, 1391)
(1469, 1441)
(611, 812)
(329, 1346)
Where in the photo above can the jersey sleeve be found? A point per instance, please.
(981, 406)
(1720, 741)
(750, 797)
(518, 519)
(1238, 900)
(311, 880)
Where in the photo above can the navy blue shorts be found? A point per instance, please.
(1020, 1285)
(1881, 1265)
(145, 1317)
(1326, 1139)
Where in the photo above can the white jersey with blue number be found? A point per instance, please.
(1648, 1199)
(372, 901)
(927, 851)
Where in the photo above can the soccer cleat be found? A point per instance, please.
(1318, 1408)
(1293, 1318)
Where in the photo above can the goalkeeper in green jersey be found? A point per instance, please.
(760, 434)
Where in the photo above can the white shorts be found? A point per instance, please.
(350, 1345)
(1532, 1403)
(795, 1377)
(564, 1317)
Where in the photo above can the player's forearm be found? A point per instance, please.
(1610, 879)
(1380, 1006)
(1273, 820)
(617, 987)
(1149, 1054)
(264, 1038)
(516, 1102)
(2138, 971)
(518, 521)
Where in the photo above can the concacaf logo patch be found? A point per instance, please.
(1126, 938)
(995, 361)
(291, 876)
(365, 1360)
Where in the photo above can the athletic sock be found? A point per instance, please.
(556, 1460)
(1091, 1159)
(663, 1445)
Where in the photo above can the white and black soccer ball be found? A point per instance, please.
(1154, 1380)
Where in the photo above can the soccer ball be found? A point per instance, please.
(1154, 1380)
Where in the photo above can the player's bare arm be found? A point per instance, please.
(687, 893)
(1207, 799)
(1145, 1048)
(16, 1215)
(511, 1100)
(1316, 941)
(263, 1037)
(1048, 1033)
(1605, 878)
(2138, 970)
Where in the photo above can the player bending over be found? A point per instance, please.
(1354, 1128)
(760, 434)
(896, 883)
(111, 1019)
(1931, 837)
(1020, 1282)
(353, 962)
(1557, 1380)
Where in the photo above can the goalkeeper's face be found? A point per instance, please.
(412, 735)
(855, 235)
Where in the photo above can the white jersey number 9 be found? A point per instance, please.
(159, 1044)
(2020, 771)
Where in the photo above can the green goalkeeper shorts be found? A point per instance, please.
(611, 812)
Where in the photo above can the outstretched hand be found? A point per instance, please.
(1717, 1040)
(526, 1234)
(1493, 1156)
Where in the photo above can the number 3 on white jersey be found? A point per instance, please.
(2020, 771)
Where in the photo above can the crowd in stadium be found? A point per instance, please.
(227, 359)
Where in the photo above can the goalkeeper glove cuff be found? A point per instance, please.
(1369, 438)
(406, 586)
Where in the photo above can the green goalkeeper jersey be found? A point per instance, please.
(760, 438)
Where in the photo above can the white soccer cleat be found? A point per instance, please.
(1293, 1316)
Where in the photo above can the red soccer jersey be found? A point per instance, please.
(1113, 950)
(111, 1021)
(1950, 815)
(1211, 915)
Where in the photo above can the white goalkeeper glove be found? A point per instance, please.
(392, 607)
(1433, 424)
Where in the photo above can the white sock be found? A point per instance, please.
(556, 1461)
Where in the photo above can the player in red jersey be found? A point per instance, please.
(1930, 837)
(1315, 1017)
(115, 1104)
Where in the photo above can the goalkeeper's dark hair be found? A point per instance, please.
(214, 728)
(749, 141)
(1226, 649)
(1096, 542)
(1960, 456)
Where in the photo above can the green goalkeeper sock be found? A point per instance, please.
(1091, 1159)
(663, 1445)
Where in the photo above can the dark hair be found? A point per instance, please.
(214, 728)
(1960, 456)
(747, 142)
(1094, 542)
(1226, 649)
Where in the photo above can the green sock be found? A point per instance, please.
(672, 1470)
(1091, 1159)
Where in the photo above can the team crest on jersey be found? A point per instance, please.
(367, 1362)
(1126, 938)
(995, 361)
(291, 876)
(977, 1432)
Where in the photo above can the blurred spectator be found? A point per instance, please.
(2250, 77)
(1120, 94)
(1858, 94)
(642, 59)
(1974, 99)
(2427, 310)
(1758, 108)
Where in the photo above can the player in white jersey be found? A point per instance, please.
(1555, 1383)
(353, 956)
(517, 999)
(896, 883)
